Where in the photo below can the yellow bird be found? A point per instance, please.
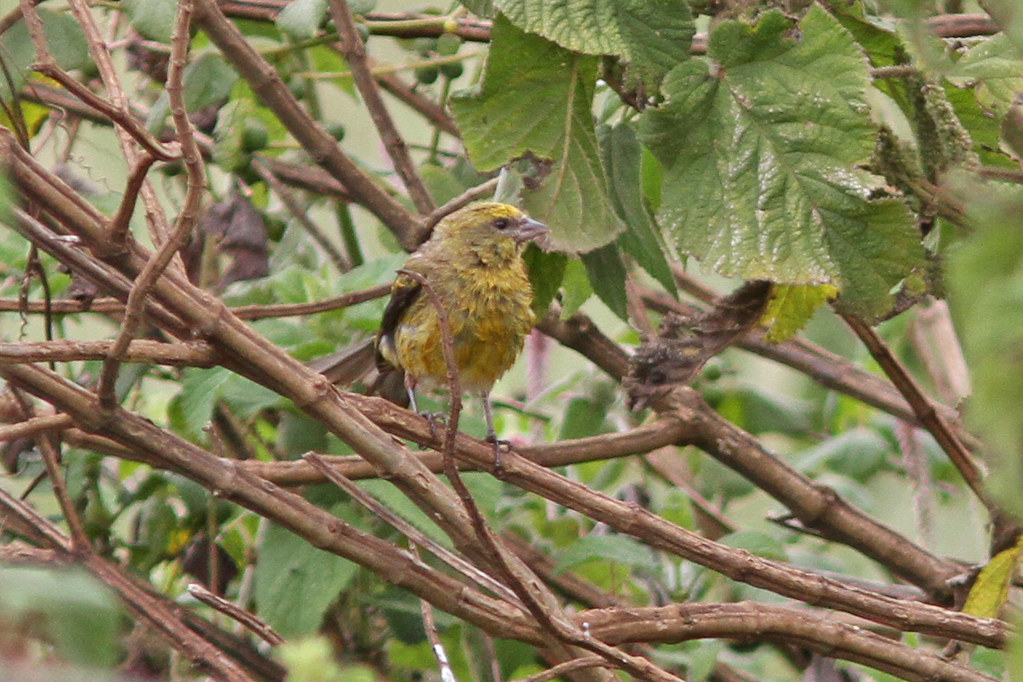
(473, 263)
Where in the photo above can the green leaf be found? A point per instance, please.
(74, 613)
(400, 504)
(641, 238)
(762, 156)
(200, 390)
(228, 148)
(311, 659)
(619, 548)
(761, 410)
(546, 272)
(536, 101)
(64, 39)
(154, 19)
(207, 81)
(1009, 16)
(994, 69)
(606, 270)
(481, 8)
(295, 582)
(576, 288)
(756, 542)
(651, 35)
(991, 590)
(986, 295)
(301, 19)
(858, 453)
(791, 307)
(583, 417)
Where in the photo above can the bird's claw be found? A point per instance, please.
(434, 420)
(499, 447)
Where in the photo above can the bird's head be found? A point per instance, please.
(490, 230)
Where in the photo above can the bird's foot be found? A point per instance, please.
(499, 447)
(437, 421)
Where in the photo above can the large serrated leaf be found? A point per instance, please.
(536, 101)
(762, 156)
(641, 239)
(652, 35)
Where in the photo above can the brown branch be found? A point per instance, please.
(236, 613)
(322, 147)
(340, 260)
(65, 307)
(656, 532)
(924, 409)
(187, 218)
(815, 505)
(144, 606)
(34, 426)
(354, 51)
(776, 623)
(185, 354)
(232, 482)
(434, 113)
(245, 312)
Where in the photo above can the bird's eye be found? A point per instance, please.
(502, 223)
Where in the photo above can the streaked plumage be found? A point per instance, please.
(474, 264)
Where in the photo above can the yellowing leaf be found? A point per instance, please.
(991, 589)
(792, 306)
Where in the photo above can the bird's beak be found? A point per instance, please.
(530, 230)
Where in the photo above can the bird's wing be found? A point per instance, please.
(404, 293)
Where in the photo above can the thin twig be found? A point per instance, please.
(121, 223)
(923, 408)
(156, 218)
(34, 426)
(354, 51)
(187, 218)
(538, 600)
(560, 669)
(340, 260)
(236, 613)
(447, 674)
(47, 445)
(470, 195)
(414, 535)
(322, 147)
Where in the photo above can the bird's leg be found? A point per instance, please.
(432, 418)
(410, 388)
(499, 445)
